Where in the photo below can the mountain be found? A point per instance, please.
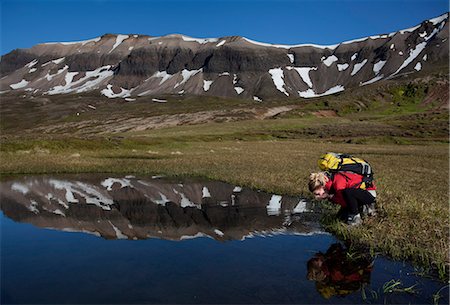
(139, 208)
(131, 66)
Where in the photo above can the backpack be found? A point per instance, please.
(336, 162)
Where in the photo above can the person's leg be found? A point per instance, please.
(366, 202)
(356, 198)
(350, 197)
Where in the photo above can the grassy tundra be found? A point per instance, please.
(271, 146)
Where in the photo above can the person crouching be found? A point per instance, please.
(343, 188)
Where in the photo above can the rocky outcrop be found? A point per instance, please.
(121, 66)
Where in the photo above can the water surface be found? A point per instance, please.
(102, 239)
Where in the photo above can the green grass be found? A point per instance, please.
(397, 286)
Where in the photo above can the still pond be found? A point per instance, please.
(103, 239)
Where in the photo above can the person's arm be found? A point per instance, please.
(339, 184)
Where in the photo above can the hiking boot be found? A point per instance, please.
(354, 220)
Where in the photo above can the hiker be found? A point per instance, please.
(343, 188)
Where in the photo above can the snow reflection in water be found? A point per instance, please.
(137, 208)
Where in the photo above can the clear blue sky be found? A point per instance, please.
(25, 23)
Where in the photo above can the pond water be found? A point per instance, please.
(102, 239)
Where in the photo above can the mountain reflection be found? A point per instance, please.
(134, 208)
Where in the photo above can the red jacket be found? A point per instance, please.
(344, 180)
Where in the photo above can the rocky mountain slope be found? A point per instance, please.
(131, 66)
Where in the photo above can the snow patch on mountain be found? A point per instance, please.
(418, 66)
(366, 38)
(83, 42)
(234, 79)
(93, 79)
(119, 40)
(49, 77)
(358, 67)
(221, 43)
(304, 73)
(310, 93)
(239, 90)
(63, 88)
(108, 92)
(283, 46)
(278, 79)
(56, 61)
(22, 84)
(328, 61)
(186, 74)
(31, 64)
(307, 94)
(199, 40)
(207, 84)
(291, 58)
(405, 31)
(342, 67)
(413, 53)
(373, 80)
(163, 75)
(378, 66)
(439, 19)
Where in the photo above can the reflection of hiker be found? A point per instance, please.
(338, 272)
(348, 181)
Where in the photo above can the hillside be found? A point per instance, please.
(134, 66)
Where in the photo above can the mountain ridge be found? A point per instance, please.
(131, 66)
